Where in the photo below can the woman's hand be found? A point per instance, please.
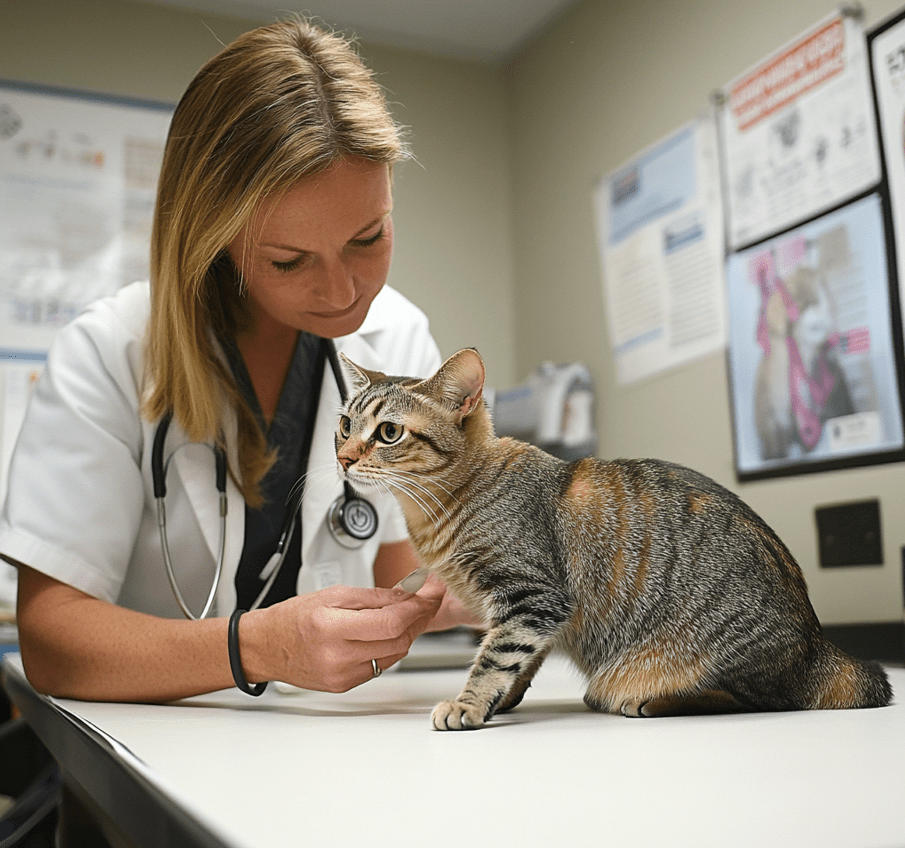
(452, 612)
(326, 640)
(395, 560)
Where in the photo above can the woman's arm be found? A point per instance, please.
(77, 646)
(74, 645)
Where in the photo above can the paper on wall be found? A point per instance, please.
(798, 132)
(660, 233)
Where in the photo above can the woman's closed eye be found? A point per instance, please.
(286, 266)
(290, 264)
(369, 241)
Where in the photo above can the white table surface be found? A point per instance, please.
(364, 768)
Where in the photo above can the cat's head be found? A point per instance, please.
(392, 428)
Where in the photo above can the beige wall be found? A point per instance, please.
(495, 230)
(603, 83)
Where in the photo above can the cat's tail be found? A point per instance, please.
(842, 682)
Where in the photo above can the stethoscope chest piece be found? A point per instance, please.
(353, 521)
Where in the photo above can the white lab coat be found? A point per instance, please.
(80, 504)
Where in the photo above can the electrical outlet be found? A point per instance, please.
(849, 534)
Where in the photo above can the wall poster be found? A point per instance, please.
(798, 132)
(660, 234)
(78, 182)
(812, 354)
(814, 346)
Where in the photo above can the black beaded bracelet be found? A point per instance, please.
(235, 661)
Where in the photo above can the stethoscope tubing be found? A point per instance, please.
(159, 469)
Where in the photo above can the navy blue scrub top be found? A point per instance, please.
(289, 434)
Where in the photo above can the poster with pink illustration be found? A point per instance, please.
(887, 54)
(812, 360)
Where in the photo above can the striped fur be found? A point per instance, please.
(668, 592)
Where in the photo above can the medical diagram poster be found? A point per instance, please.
(660, 233)
(798, 132)
(811, 347)
(887, 53)
(78, 182)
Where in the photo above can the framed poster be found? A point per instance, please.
(812, 354)
(798, 132)
(886, 46)
(78, 183)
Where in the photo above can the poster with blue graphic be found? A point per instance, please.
(660, 233)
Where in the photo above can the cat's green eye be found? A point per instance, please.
(388, 432)
(345, 426)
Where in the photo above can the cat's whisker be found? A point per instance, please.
(371, 477)
(392, 484)
(429, 513)
(431, 481)
(402, 486)
(424, 482)
(416, 485)
(316, 476)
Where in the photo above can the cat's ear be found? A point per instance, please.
(355, 376)
(459, 382)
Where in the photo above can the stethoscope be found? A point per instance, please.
(352, 520)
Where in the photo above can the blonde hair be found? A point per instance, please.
(281, 103)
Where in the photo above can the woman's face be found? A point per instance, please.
(315, 258)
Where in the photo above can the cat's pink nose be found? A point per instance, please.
(346, 462)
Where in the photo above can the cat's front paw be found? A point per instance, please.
(456, 715)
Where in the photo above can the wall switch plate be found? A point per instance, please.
(849, 534)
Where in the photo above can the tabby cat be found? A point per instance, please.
(666, 590)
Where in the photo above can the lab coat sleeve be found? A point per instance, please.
(75, 494)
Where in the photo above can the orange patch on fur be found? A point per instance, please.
(646, 672)
(842, 692)
(580, 490)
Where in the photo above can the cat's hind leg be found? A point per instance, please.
(706, 702)
(649, 681)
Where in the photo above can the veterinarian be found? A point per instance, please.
(271, 245)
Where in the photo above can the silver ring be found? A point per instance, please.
(377, 669)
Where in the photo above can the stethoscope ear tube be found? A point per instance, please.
(158, 474)
(220, 469)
